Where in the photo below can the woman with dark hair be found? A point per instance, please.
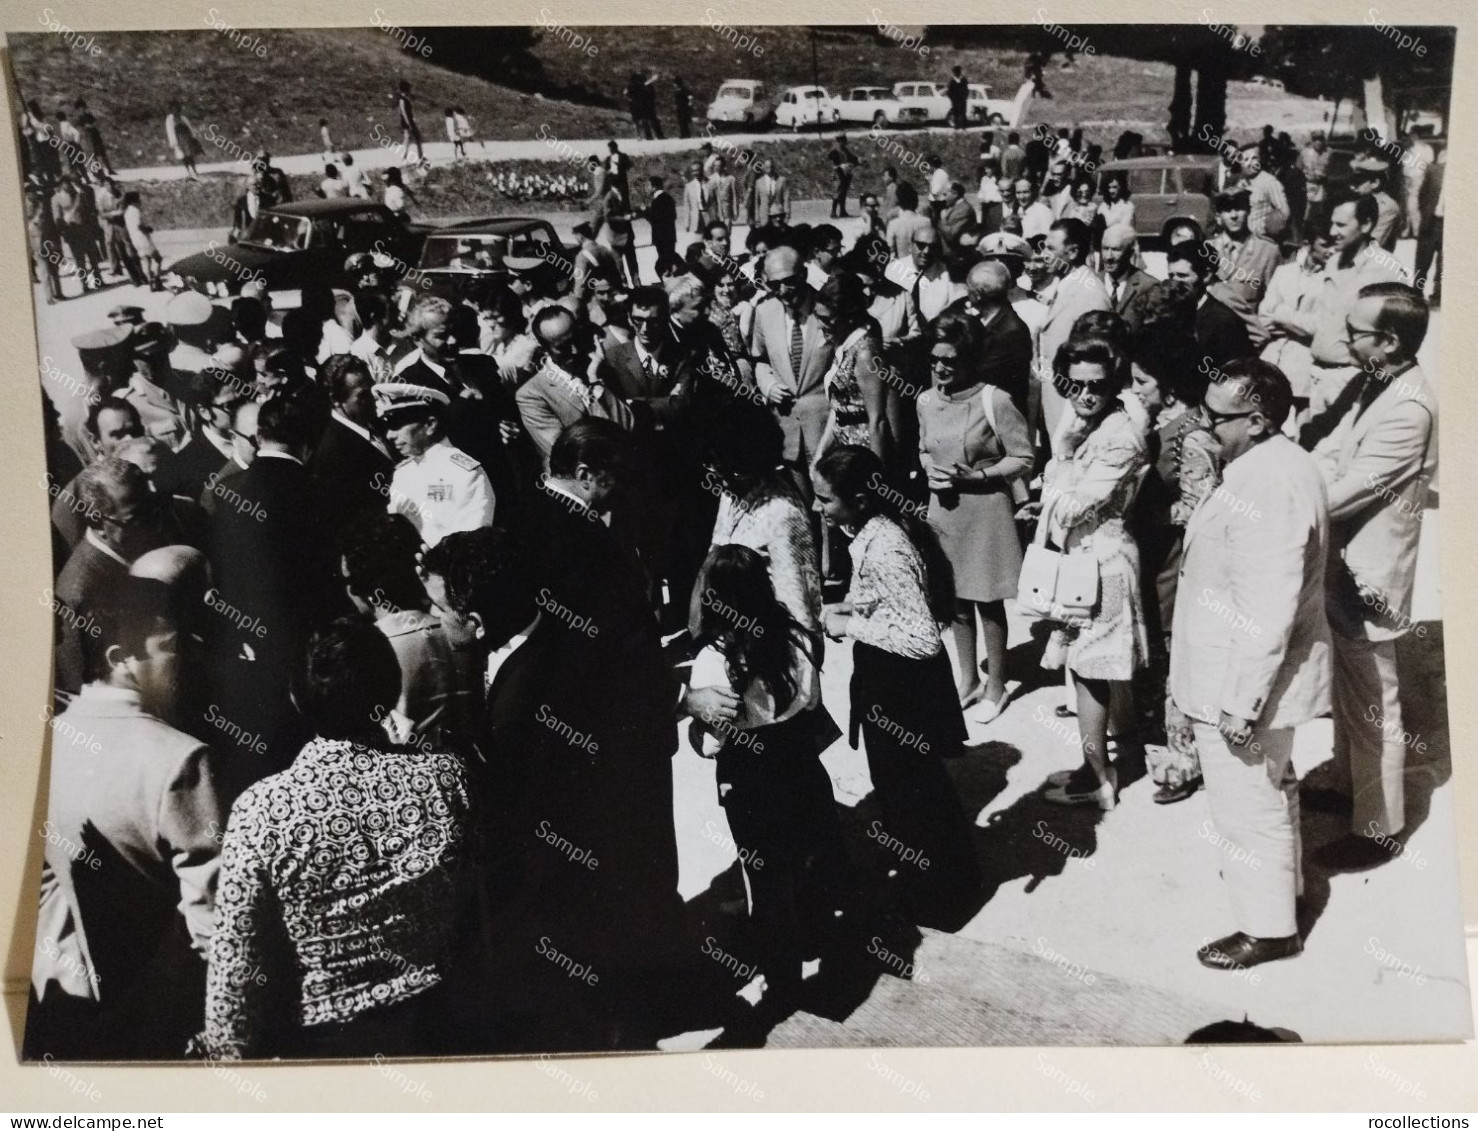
(732, 315)
(278, 368)
(853, 383)
(1185, 467)
(344, 879)
(1116, 207)
(973, 443)
(740, 446)
(1099, 456)
(903, 692)
(775, 792)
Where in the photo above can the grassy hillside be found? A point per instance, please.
(346, 75)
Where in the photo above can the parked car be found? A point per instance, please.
(802, 106)
(876, 104)
(1263, 80)
(741, 102)
(458, 257)
(1008, 112)
(928, 96)
(292, 244)
(1165, 189)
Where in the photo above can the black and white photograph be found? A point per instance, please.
(577, 539)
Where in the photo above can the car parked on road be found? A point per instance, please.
(741, 102)
(302, 242)
(983, 108)
(1165, 189)
(876, 105)
(802, 106)
(927, 96)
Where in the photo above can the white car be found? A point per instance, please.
(928, 96)
(876, 104)
(983, 108)
(802, 106)
(741, 102)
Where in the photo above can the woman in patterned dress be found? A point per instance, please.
(344, 878)
(854, 384)
(973, 442)
(1100, 453)
(1185, 468)
(903, 694)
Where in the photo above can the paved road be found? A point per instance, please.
(1144, 893)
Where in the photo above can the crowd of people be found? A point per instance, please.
(378, 624)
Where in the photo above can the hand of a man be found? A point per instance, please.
(710, 703)
(1236, 731)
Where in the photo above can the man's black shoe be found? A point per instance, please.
(1240, 951)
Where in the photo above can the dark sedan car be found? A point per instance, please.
(461, 255)
(292, 244)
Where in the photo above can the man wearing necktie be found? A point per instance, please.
(570, 385)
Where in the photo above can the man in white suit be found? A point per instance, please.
(1376, 447)
(1252, 655)
(1074, 290)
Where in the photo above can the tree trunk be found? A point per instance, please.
(1379, 115)
(1211, 102)
(1179, 126)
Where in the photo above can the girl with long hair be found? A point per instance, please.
(775, 792)
(903, 693)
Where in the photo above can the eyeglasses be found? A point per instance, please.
(787, 282)
(1352, 332)
(948, 364)
(1071, 387)
(1216, 419)
(925, 244)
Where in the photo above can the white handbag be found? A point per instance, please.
(1054, 585)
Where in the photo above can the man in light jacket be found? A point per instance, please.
(1252, 655)
(1377, 454)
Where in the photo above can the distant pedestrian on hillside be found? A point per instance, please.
(682, 102)
(844, 162)
(458, 149)
(326, 140)
(409, 131)
(958, 90)
(465, 129)
(182, 140)
(92, 142)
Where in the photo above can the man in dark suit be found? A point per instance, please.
(661, 213)
(792, 355)
(208, 450)
(351, 468)
(1005, 340)
(656, 373)
(578, 739)
(124, 520)
(277, 579)
(1125, 283)
(1220, 335)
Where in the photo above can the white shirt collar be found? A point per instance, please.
(359, 430)
(265, 453)
(92, 536)
(500, 656)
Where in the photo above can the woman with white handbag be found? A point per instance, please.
(1088, 589)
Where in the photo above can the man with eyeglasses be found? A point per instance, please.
(792, 355)
(570, 384)
(925, 277)
(1377, 460)
(1251, 658)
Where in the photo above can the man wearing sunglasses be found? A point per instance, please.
(1376, 460)
(1251, 659)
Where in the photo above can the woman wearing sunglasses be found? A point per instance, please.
(1100, 453)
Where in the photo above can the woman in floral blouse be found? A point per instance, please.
(903, 691)
(344, 878)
